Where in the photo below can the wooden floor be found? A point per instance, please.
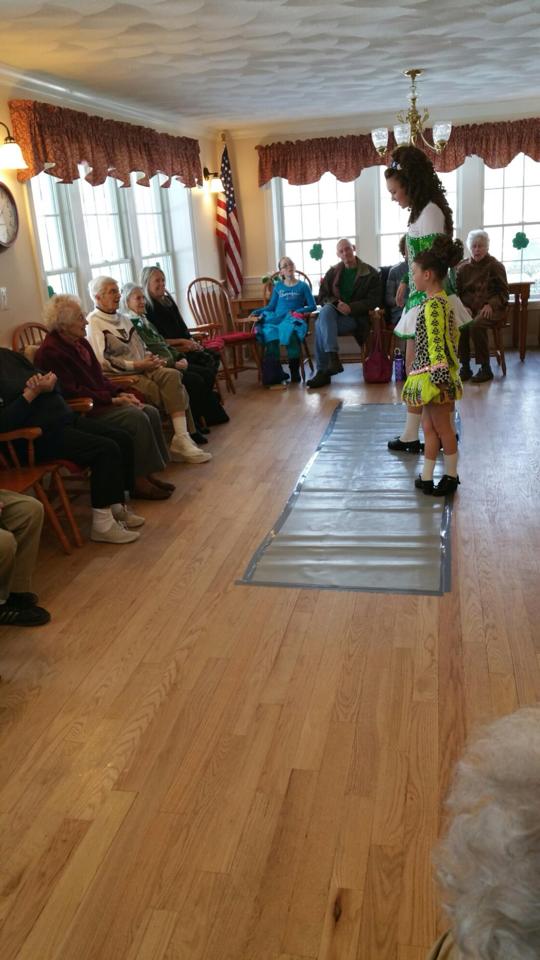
(195, 770)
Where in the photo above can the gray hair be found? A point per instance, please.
(60, 309)
(473, 234)
(146, 276)
(488, 865)
(127, 290)
(95, 286)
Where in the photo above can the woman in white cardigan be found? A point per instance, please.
(120, 350)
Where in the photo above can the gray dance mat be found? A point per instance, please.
(354, 520)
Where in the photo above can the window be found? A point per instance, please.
(322, 212)
(393, 220)
(84, 231)
(152, 228)
(512, 206)
(105, 236)
(57, 254)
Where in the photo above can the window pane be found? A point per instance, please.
(390, 249)
(346, 219)
(531, 202)
(513, 205)
(121, 272)
(327, 189)
(101, 218)
(310, 193)
(531, 175)
(290, 194)
(62, 283)
(513, 173)
(310, 222)
(293, 222)
(345, 191)
(493, 206)
(164, 262)
(495, 242)
(493, 178)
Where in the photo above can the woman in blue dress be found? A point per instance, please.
(282, 324)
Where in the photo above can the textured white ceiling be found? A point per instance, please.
(235, 63)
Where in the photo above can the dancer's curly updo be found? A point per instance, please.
(415, 173)
(443, 253)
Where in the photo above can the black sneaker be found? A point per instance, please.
(406, 446)
(426, 486)
(29, 617)
(21, 601)
(446, 486)
(465, 373)
(321, 379)
(198, 438)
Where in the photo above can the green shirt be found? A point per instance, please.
(154, 341)
(346, 283)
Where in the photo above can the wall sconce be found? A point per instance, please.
(213, 180)
(11, 157)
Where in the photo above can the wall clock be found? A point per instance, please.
(9, 218)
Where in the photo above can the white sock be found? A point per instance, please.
(102, 518)
(412, 426)
(117, 509)
(428, 469)
(180, 425)
(450, 464)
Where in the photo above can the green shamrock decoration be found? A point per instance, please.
(316, 252)
(520, 241)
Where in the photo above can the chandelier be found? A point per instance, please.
(412, 124)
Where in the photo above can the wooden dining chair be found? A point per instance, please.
(21, 478)
(210, 306)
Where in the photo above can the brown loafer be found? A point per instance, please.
(161, 484)
(144, 490)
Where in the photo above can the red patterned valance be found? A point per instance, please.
(49, 134)
(305, 161)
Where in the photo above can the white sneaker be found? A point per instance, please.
(182, 449)
(127, 518)
(116, 533)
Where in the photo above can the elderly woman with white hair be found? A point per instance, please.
(483, 288)
(67, 353)
(119, 349)
(488, 864)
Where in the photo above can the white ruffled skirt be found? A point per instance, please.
(406, 328)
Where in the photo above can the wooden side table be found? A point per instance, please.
(520, 315)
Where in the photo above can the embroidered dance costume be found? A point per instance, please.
(420, 236)
(279, 319)
(434, 374)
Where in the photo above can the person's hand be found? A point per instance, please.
(187, 346)
(486, 312)
(181, 364)
(39, 383)
(149, 363)
(401, 295)
(126, 399)
(343, 308)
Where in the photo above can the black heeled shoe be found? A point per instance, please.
(446, 486)
(426, 486)
(406, 446)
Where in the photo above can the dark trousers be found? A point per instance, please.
(199, 383)
(478, 329)
(107, 451)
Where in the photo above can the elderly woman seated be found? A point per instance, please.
(488, 864)
(68, 354)
(120, 349)
(483, 288)
(31, 399)
(202, 365)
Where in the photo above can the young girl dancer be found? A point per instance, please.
(412, 182)
(433, 382)
(281, 323)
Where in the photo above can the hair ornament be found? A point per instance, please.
(395, 165)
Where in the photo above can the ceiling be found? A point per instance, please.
(236, 64)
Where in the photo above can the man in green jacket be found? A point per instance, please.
(348, 291)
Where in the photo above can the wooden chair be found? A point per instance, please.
(498, 342)
(210, 306)
(27, 339)
(20, 479)
(305, 354)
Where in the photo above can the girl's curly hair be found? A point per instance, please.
(443, 253)
(414, 171)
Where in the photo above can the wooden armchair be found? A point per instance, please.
(22, 478)
(211, 308)
(27, 339)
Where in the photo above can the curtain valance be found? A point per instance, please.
(305, 161)
(49, 134)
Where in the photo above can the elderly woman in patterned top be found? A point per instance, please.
(483, 288)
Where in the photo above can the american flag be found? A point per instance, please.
(227, 228)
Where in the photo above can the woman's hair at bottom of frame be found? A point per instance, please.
(488, 864)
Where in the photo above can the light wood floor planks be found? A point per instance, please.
(196, 770)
